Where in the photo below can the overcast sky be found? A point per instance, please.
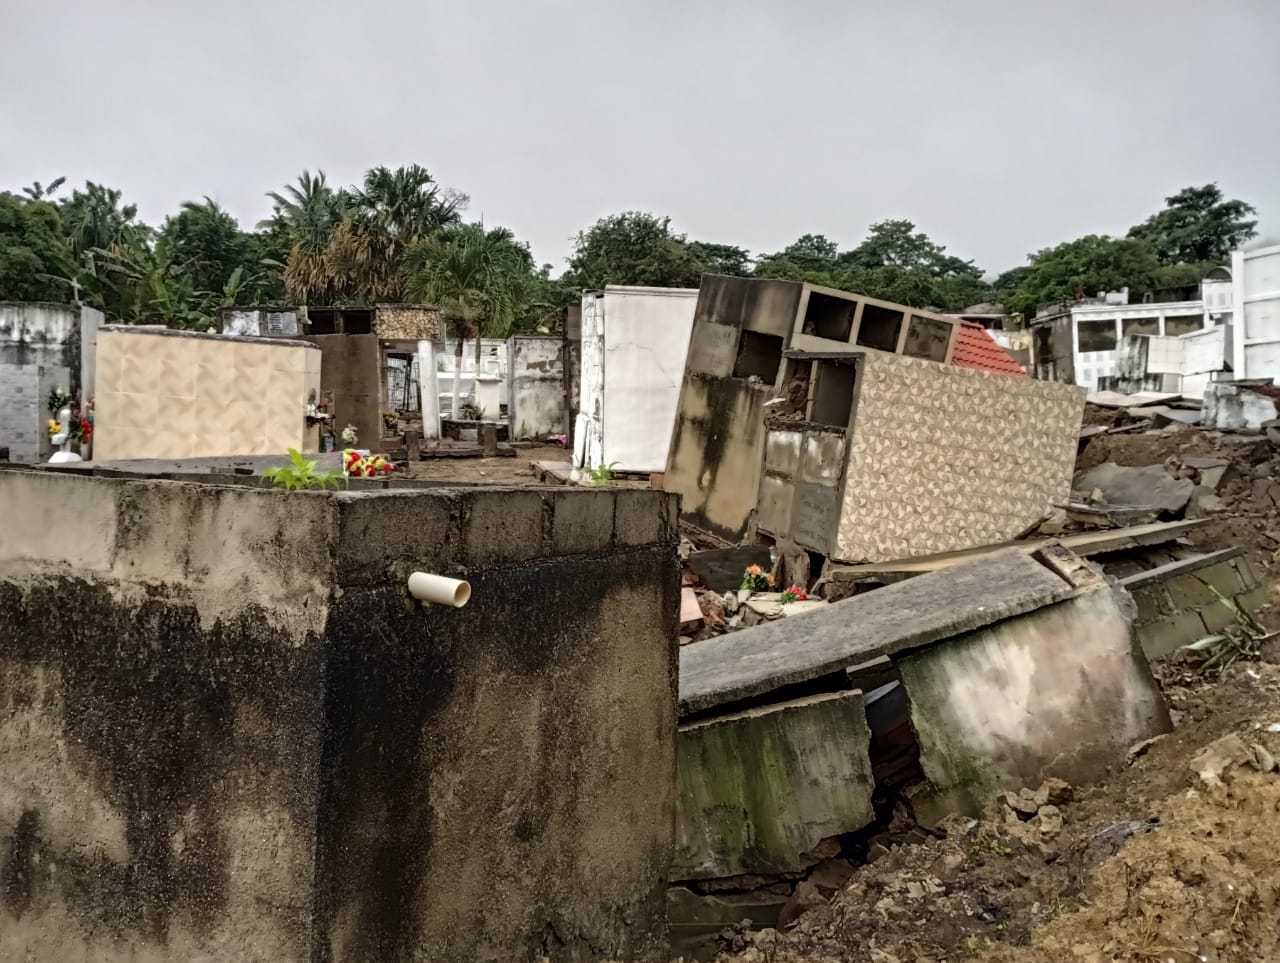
(998, 126)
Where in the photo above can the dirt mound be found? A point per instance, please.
(1152, 864)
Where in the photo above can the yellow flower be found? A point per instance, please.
(55, 426)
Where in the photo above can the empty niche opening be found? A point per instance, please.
(1096, 335)
(829, 317)
(1178, 326)
(322, 322)
(928, 338)
(759, 356)
(1140, 326)
(832, 394)
(357, 322)
(880, 328)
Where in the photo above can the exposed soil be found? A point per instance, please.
(488, 471)
(1148, 865)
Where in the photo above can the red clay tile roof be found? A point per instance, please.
(977, 349)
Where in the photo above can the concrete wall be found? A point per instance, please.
(1062, 691)
(638, 339)
(260, 322)
(1237, 406)
(536, 396)
(227, 735)
(1176, 605)
(761, 788)
(718, 439)
(176, 394)
(41, 344)
(1255, 313)
(349, 373)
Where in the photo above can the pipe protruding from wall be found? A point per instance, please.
(439, 590)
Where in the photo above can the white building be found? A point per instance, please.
(1255, 309)
(634, 344)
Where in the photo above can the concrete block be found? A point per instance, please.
(582, 521)
(1060, 691)
(414, 531)
(1165, 635)
(1153, 603)
(1192, 590)
(642, 518)
(506, 524)
(759, 788)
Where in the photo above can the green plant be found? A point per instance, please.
(602, 475)
(301, 474)
(470, 412)
(992, 846)
(1235, 642)
(755, 579)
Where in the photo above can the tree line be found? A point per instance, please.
(399, 235)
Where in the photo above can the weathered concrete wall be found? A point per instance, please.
(536, 395)
(408, 322)
(1176, 605)
(717, 443)
(40, 344)
(349, 372)
(1236, 406)
(227, 734)
(943, 458)
(760, 788)
(177, 394)
(1061, 691)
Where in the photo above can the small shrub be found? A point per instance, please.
(301, 474)
(602, 475)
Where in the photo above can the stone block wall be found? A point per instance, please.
(227, 733)
(408, 322)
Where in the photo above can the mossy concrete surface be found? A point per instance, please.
(228, 734)
(1062, 691)
(760, 788)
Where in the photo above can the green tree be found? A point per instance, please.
(811, 257)
(1084, 267)
(94, 218)
(897, 244)
(633, 248)
(476, 276)
(308, 213)
(40, 192)
(721, 258)
(1197, 225)
(207, 242)
(32, 251)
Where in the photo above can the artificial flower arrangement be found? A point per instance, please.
(80, 425)
(349, 437)
(795, 593)
(754, 579)
(364, 466)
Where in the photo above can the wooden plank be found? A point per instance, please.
(1084, 543)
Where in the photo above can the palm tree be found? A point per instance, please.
(94, 219)
(473, 275)
(311, 212)
(390, 212)
(39, 192)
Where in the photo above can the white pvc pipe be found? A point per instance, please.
(438, 590)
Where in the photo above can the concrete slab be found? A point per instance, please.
(759, 789)
(1150, 486)
(910, 614)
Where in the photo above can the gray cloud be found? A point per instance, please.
(999, 127)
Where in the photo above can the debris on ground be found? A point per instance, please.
(1164, 860)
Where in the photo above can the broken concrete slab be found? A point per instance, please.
(1055, 692)
(917, 612)
(690, 610)
(760, 788)
(1150, 486)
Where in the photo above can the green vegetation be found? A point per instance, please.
(398, 235)
(1243, 640)
(301, 474)
(601, 475)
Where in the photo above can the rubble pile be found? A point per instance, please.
(1163, 861)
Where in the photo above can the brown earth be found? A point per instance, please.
(1148, 865)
